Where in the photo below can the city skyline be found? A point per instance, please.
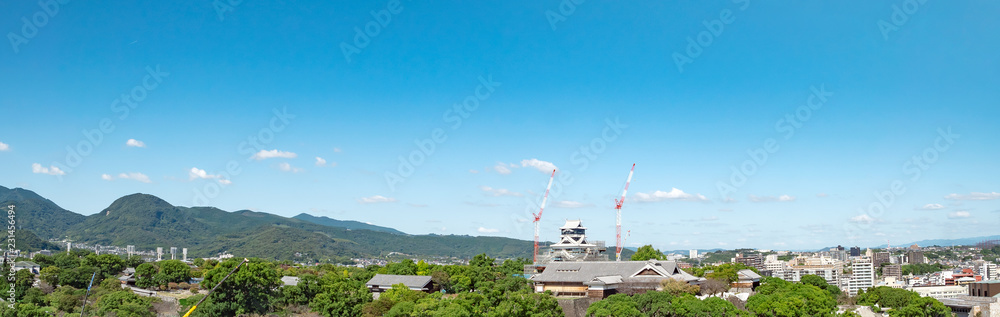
(787, 131)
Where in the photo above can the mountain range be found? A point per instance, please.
(147, 222)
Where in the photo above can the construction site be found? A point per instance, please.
(573, 245)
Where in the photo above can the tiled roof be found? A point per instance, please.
(411, 281)
(584, 272)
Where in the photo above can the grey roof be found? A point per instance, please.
(749, 274)
(411, 281)
(25, 264)
(584, 272)
(290, 280)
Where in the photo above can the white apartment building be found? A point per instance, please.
(939, 292)
(862, 276)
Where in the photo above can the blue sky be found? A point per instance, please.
(872, 85)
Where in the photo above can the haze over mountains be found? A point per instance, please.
(147, 222)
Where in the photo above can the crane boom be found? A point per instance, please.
(618, 216)
(538, 216)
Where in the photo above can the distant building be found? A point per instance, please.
(130, 249)
(855, 251)
(173, 253)
(746, 279)
(184, 252)
(601, 279)
(754, 260)
(881, 257)
(862, 276)
(984, 289)
(693, 254)
(894, 270)
(915, 257)
(940, 291)
(26, 265)
(159, 253)
(383, 282)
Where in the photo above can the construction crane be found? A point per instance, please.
(618, 216)
(538, 216)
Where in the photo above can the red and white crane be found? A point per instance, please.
(618, 216)
(538, 216)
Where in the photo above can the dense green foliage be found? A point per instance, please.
(647, 252)
(654, 303)
(776, 297)
(725, 272)
(904, 303)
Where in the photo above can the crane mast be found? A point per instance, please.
(618, 216)
(538, 216)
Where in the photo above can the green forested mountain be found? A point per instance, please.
(349, 224)
(147, 221)
(35, 213)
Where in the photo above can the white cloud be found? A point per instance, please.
(51, 170)
(729, 200)
(780, 244)
(376, 199)
(263, 154)
(761, 199)
(726, 209)
(543, 166)
(135, 176)
(196, 173)
(863, 218)
(974, 196)
(931, 207)
(959, 214)
(821, 195)
(106, 177)
(570, 204)
(474, 171)
(4, 147)
(320, 161)
(284, 166)
(336, 149)
(502, 168)
(496, 192)
(673, 194)
(712, 218)
(135, 143)
(487, 230)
